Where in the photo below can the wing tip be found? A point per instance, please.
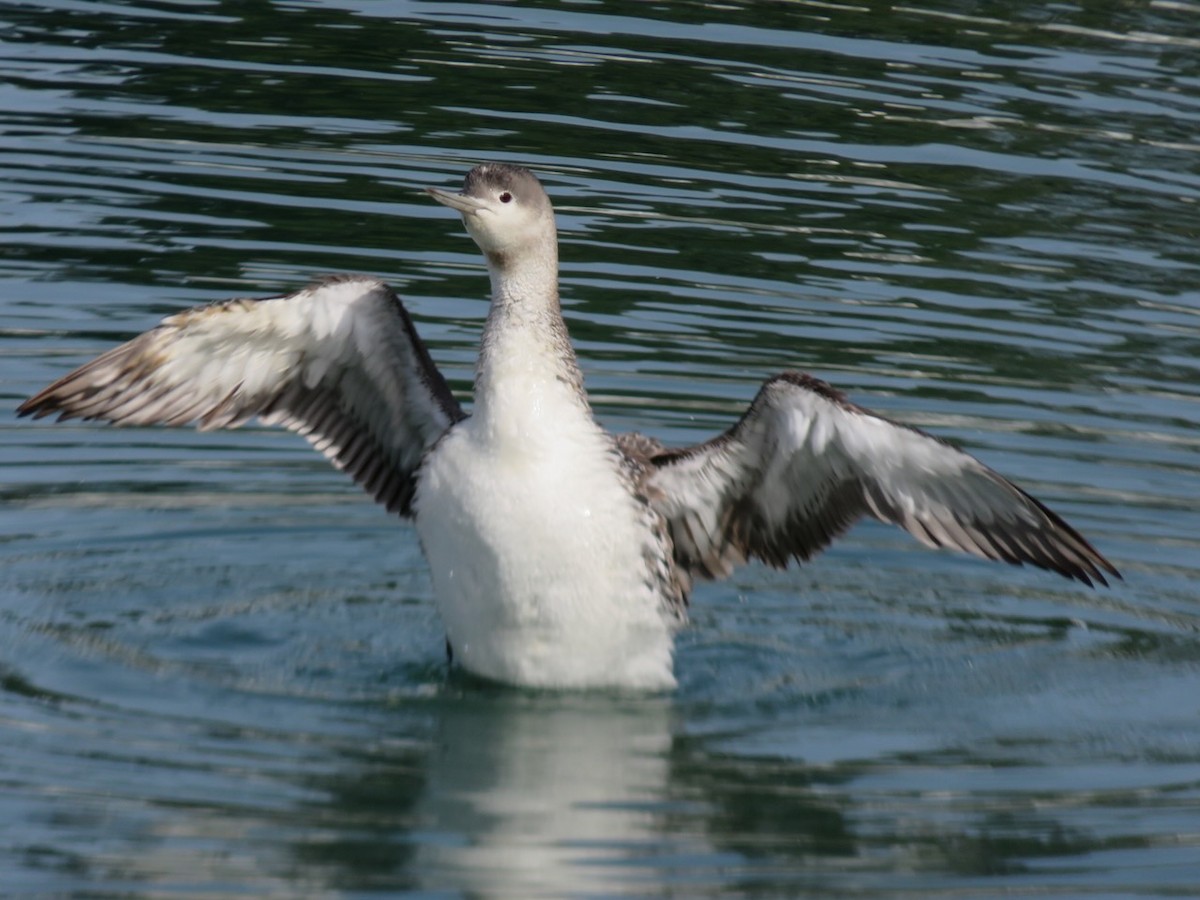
(30, 408)
(1085, 558)
(1097, 569)
(45, 404)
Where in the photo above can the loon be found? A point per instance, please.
(562, 556)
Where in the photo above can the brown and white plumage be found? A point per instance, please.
(561, 555)
(339, 362)
(804, 464)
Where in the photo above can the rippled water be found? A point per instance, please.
(222, 671)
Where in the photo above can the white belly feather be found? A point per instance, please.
(536, 547)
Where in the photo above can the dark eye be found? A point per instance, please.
(506, 197)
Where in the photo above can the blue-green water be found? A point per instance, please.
(221, 669)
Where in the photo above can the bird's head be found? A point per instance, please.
(505, 210)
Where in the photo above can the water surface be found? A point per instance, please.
(222, 671)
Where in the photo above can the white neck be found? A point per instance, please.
(525, 279)
(527, 374)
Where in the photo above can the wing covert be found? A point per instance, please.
(339, 362)
(803, 464)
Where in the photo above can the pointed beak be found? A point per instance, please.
(460, 202)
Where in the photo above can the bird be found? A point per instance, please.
(562, 556)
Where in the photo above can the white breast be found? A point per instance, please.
(537, 550)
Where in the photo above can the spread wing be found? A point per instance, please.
(339, 362)
(804, 464)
